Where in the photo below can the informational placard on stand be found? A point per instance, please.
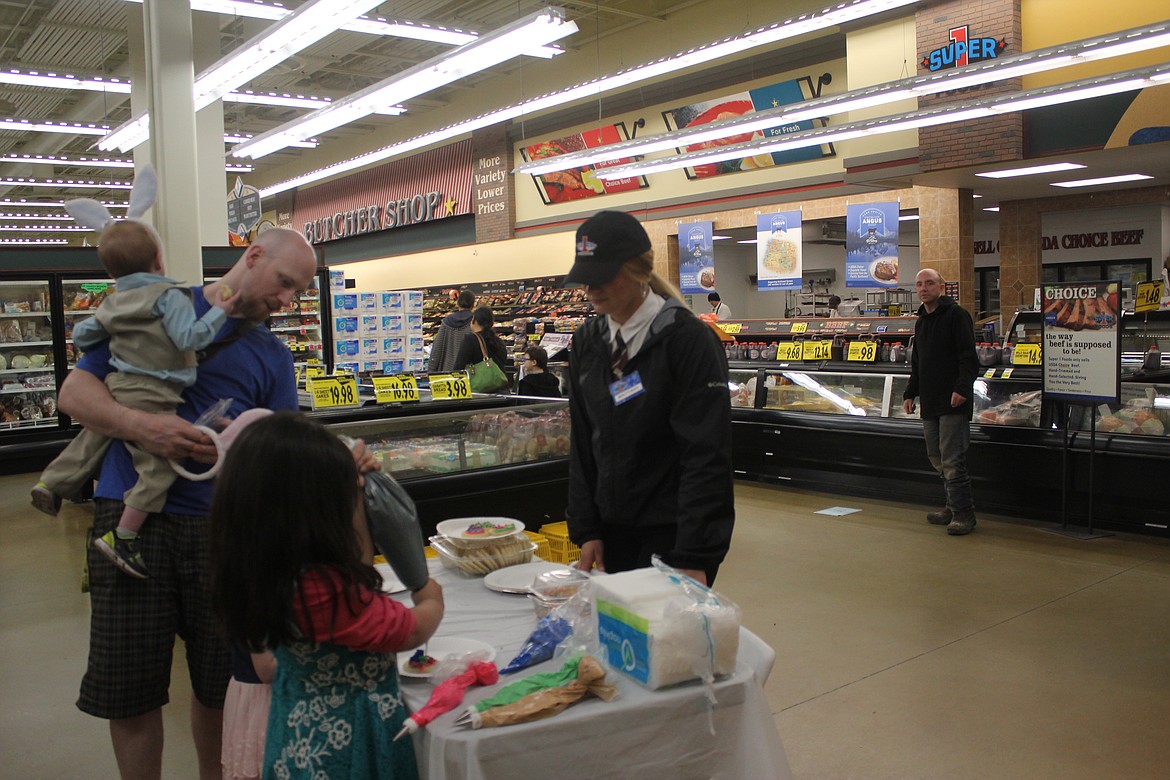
(1082, 344)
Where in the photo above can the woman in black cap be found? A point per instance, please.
(650, 459)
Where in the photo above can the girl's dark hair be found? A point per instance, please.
(483, 317)
(284, 503)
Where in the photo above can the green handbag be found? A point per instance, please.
(485, 376)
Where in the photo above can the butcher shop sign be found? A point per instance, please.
(1082, 355)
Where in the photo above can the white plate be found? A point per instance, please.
(454, 528)
(699, 278)
(441, 648)
(518, 579)
(390, 581)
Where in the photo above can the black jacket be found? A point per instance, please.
(543, 384)
(469, 352)
(663, 457)
(944, 359)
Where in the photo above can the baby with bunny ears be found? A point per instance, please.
(154, 334)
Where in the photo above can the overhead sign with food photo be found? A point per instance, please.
(773, 96)
(696, 258)
(779, 254)
(871, 244)
(1082, 351)
(579, 183)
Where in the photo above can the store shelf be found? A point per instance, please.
(24, 344)
(37, 370)
(12, 314)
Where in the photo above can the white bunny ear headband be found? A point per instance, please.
(95, 216)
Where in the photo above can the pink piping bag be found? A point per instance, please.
(449, 694)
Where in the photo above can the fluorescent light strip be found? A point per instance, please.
(67, 128)
(907, 217)
(275, 99)
(1100, 47)
(938, 115)
(234, 138)
(848, 12)
(45, 204)
(9, 181)
(42, 229)
(127, 135)
(302, 28)
(38, 217)
(992, 208)
(1102, 180)
(32, 241)
(1032, 170)
(82, 162)
(486, 51)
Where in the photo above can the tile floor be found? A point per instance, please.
(901, 652)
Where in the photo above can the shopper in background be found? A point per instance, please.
(482, 332)
(834, 305)
(650, 447)
(942, 373)
(537, 381)
(134, 623)
(452, 331)
(288, 573)
(721, 310)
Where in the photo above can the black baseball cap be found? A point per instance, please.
(605, 242)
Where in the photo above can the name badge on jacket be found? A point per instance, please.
(629, 386)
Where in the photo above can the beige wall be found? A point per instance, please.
(884, 52)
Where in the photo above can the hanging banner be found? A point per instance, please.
(763, 98)
(1082, 350)
(696, 258)
(779, 251)
(871, 245)
(581, 182)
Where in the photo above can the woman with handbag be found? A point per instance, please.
(481, 347)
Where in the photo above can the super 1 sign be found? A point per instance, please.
(963, 50)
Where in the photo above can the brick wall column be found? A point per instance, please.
(982, 141)
(946, 230)
(1020, 258)
(493, 189)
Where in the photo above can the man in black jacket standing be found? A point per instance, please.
(942, 373)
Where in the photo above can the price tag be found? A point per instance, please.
(398, 388)
(1026, 355)
(894, 310)
(314, 371)
(1149, 296)
(799, 327)
(332, 392)
(297, 374)
(789, 350)
(989, 373)
(865, 351)
(534, 337)
(455, 386)
(817, 350)
(1007, 373)
(730, 327)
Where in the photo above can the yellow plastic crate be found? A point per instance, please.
(561, 549)
(542, 546)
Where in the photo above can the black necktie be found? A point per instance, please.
(621, 355)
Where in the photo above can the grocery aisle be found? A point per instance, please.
(901, 652)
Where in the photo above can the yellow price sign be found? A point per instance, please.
(799, 327)
(455, 386)
(730, 328)
(311, 372)
(398, 388)
(894, 310)
(297, 374)
(989, 373)
(1026, 355)
(817, 350)
(864, 351)
(1007, 373)
(332, 392)
(1149, 296)
(787, 351)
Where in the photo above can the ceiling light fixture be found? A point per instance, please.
(42, 229)
(10, 181)
(67, 128)
(1096, 48)
(829, 17)
(937, 115)
(992, 208)
(274, 44)
(1102, 180)
(32, 241)
(486, 51)
(237, 138)
(89, 162)
(1031, 170)
(44, 204)
(127, 135)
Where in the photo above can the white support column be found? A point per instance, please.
(213, 187)
(172, 135)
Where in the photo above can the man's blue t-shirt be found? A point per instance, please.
(254, 371)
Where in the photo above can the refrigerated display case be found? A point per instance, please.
(28, 382)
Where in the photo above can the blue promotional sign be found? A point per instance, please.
(779, 251)
(696, 258)
(871, 245)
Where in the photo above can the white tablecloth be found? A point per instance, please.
(640, 733)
